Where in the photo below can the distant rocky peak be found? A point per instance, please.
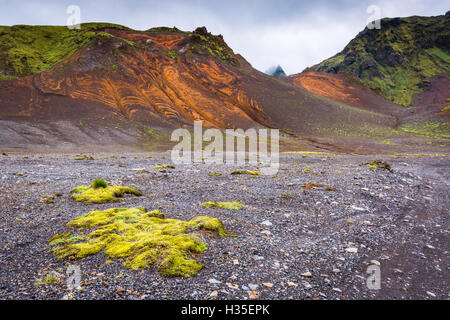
(276, 71)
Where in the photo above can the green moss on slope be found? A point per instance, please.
(399, 59)
(27, 50)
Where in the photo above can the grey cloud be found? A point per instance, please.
(294, 34)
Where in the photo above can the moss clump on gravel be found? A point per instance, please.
(100, 194)
(252, 173)
(140, 238)
(164, 166)
(99, 183)
(51, 278)
(379, 164)
(223, 205)
(27, 50)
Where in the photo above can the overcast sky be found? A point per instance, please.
(292, 33)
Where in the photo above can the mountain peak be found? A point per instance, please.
(276, 71)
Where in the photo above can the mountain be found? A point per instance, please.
(106, 86)
(161, 77)
(276, 72)
(403, 61)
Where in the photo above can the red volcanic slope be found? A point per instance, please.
(343, 88)
(155, 78)
(145, 85)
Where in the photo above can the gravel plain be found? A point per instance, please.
(293, 242)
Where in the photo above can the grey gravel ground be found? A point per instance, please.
(291, 243)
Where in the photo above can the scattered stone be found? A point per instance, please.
(267, 223)
(306, 274)
(214, 281)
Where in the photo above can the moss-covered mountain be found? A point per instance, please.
(399, 59)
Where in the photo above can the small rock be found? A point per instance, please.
(352, 250)
(232, 286)
(306, 274)
(214, 281)
(268, 284)
(213, 294)
(267, 223)
(256, 257)
(253, 295)
(252, 286)
(307, 285)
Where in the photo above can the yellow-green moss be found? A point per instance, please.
(252, 173)
(101, 195)
(224, 205)
(140, 239)
(164, 166)
(51, 278)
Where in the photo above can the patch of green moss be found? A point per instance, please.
(99, 183)
(51, 278)
(204, 42)
(27, 50)
(164, 166)
(172, 54)
(252, 173)
(79, 189)
(428, 129)
(379, 164)
(223, 205)
(102, 194)
(140, 239)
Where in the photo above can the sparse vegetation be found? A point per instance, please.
(252, 173)
(223, 205)
(164, 166)
(379, 164)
